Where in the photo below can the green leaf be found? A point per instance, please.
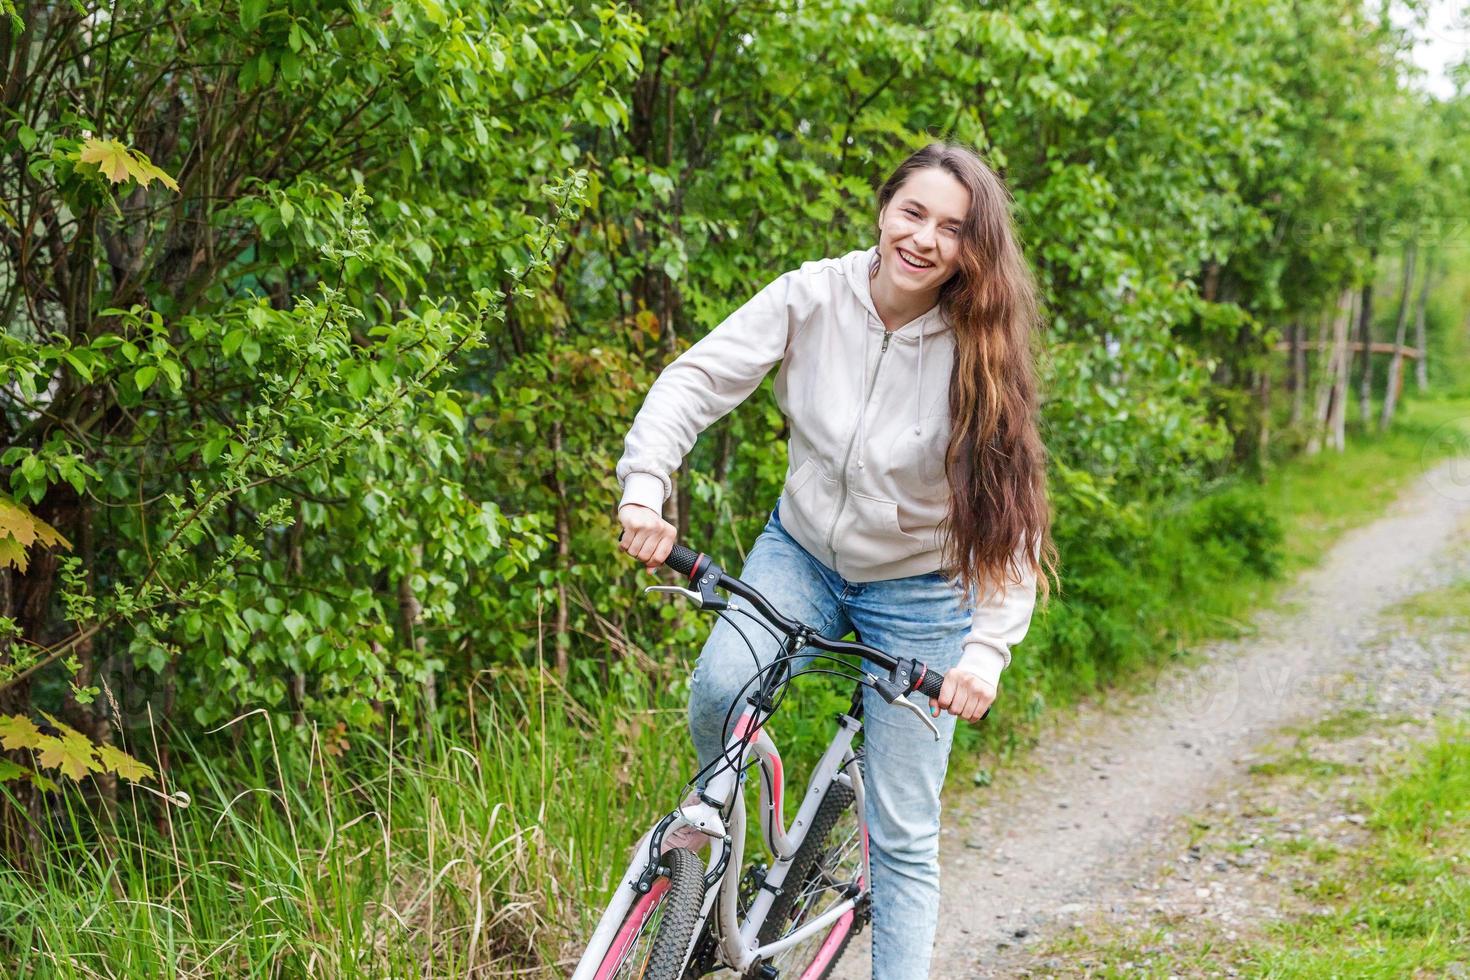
(251, 12)
(211, 450)
(359, 381)
(175, 373)
(295, 624)
(78, 362)
(144, 376)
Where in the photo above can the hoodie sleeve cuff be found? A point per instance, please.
(644, 489)
(985, 662)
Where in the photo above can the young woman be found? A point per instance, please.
(914, 510)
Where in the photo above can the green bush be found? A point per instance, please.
(1237, 520)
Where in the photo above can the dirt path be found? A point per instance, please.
(1039, 851)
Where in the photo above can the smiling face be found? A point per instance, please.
(919, 231)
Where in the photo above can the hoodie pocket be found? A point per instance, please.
(871, 535)
(798, 479)
(807, 496)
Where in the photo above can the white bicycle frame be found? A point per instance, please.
(738, 943)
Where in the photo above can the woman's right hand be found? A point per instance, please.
(646, 535)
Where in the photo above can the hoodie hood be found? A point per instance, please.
(859, 267)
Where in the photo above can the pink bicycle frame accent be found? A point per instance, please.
(830, 945)
(632, 926)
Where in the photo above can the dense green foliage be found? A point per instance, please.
(324, 322)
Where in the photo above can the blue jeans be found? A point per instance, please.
(920, 616)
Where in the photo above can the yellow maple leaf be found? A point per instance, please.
(110, 156)
(12, 553)
(25, 527)
(72, 754)
(118, 163)
(18, 732)
(123, 764)
(19, 529)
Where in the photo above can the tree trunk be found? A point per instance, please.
(1323, 378)
(1342, 368)
(1365, 336)
(13, 822)
(1396, 365)
(92, 719)
(1298, 376)
(295, 569)
(167, 695)
(1421, 363)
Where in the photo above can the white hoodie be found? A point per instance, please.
(866, 491)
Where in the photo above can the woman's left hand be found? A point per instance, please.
(963, 695)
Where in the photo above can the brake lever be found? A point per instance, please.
(922, 714)
(893, 694)
(704, 600)
(689, 594)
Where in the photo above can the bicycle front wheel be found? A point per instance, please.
(654, 938)
(826, 866)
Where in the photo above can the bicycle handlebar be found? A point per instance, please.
(682, 560)
(694, 565)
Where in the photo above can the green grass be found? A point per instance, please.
(1322, 496)
(1400, 906)
(1443, 609)
(1300, 763)
(1341, 724)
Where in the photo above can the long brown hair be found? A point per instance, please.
(999, 522)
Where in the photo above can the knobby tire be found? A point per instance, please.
(838, 800)
(678, 911)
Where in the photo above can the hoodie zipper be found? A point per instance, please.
(847, 463)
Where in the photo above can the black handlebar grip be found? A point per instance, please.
(930, 683)
(682, 560)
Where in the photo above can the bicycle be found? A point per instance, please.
(675, 916)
